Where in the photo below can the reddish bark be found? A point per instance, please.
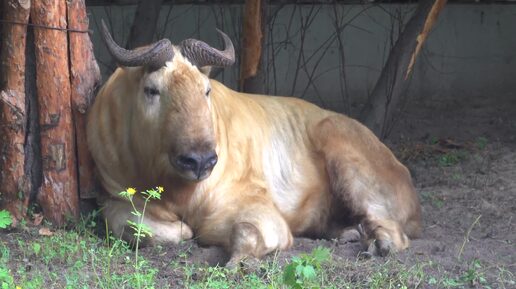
(251, 78)
(85, 76)
(251, 39)
(431, 19)
(58, 195)
(14, 187)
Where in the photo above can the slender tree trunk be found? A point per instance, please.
(85, 77)
(394, 78)
(14, 186)
(144, 23)
(58, 195)
(252, 75)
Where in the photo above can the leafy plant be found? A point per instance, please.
(302, 271)
(5, 219)
(141, 230)
(474, 275)
(36, 247)
(448, 160)
(481, 142)
(6, 279)
(433, 198)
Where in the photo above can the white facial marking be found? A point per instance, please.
(152, 87)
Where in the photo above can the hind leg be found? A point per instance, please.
(371, 185)
(381, 237)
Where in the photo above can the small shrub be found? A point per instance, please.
(474, 275)
(448, 160)
(6, 279)
(481, 142)
(5, 219)
(302, 271)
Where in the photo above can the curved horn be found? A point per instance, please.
(152, 56)
(201, 54)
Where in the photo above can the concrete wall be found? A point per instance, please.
(469, 57)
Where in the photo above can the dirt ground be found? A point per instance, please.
(464, 170)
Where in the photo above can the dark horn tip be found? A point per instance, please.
(229, 49)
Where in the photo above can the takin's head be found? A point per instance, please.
(174, 93)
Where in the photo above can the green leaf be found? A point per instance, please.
(299, 270)
(5, 219)
(309, 272)
(133, 225)
(37, 248)
(321, 255)
(289, 275)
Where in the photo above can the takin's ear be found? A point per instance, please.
(205, 70)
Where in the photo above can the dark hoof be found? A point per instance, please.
(379, 247)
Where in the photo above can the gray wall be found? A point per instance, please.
(469, 57)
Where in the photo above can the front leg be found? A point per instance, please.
(166, 229)
(257, 230)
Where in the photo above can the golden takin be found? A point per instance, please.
(245, 172)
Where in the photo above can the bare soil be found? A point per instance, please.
(467, 185)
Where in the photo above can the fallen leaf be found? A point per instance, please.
(45, 232)
(448, 143)
(38, 218)
(14, 224)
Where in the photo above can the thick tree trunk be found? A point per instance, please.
(14, 186)
(33, 166)
(252, 76)
(144, 23)
(394, 78)
(85, 77)
(58, 195)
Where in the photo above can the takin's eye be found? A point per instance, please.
(208, 91)
(150, 92)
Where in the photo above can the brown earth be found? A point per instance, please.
(464, 168)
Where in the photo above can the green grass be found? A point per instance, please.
(79, 259)
(433, 198)
(452, 158)
(69, 259)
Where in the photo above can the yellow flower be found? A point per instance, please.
(131, 191)
(18, 287)
(160, 189)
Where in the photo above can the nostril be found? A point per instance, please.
(210, 161)
(190, 162)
